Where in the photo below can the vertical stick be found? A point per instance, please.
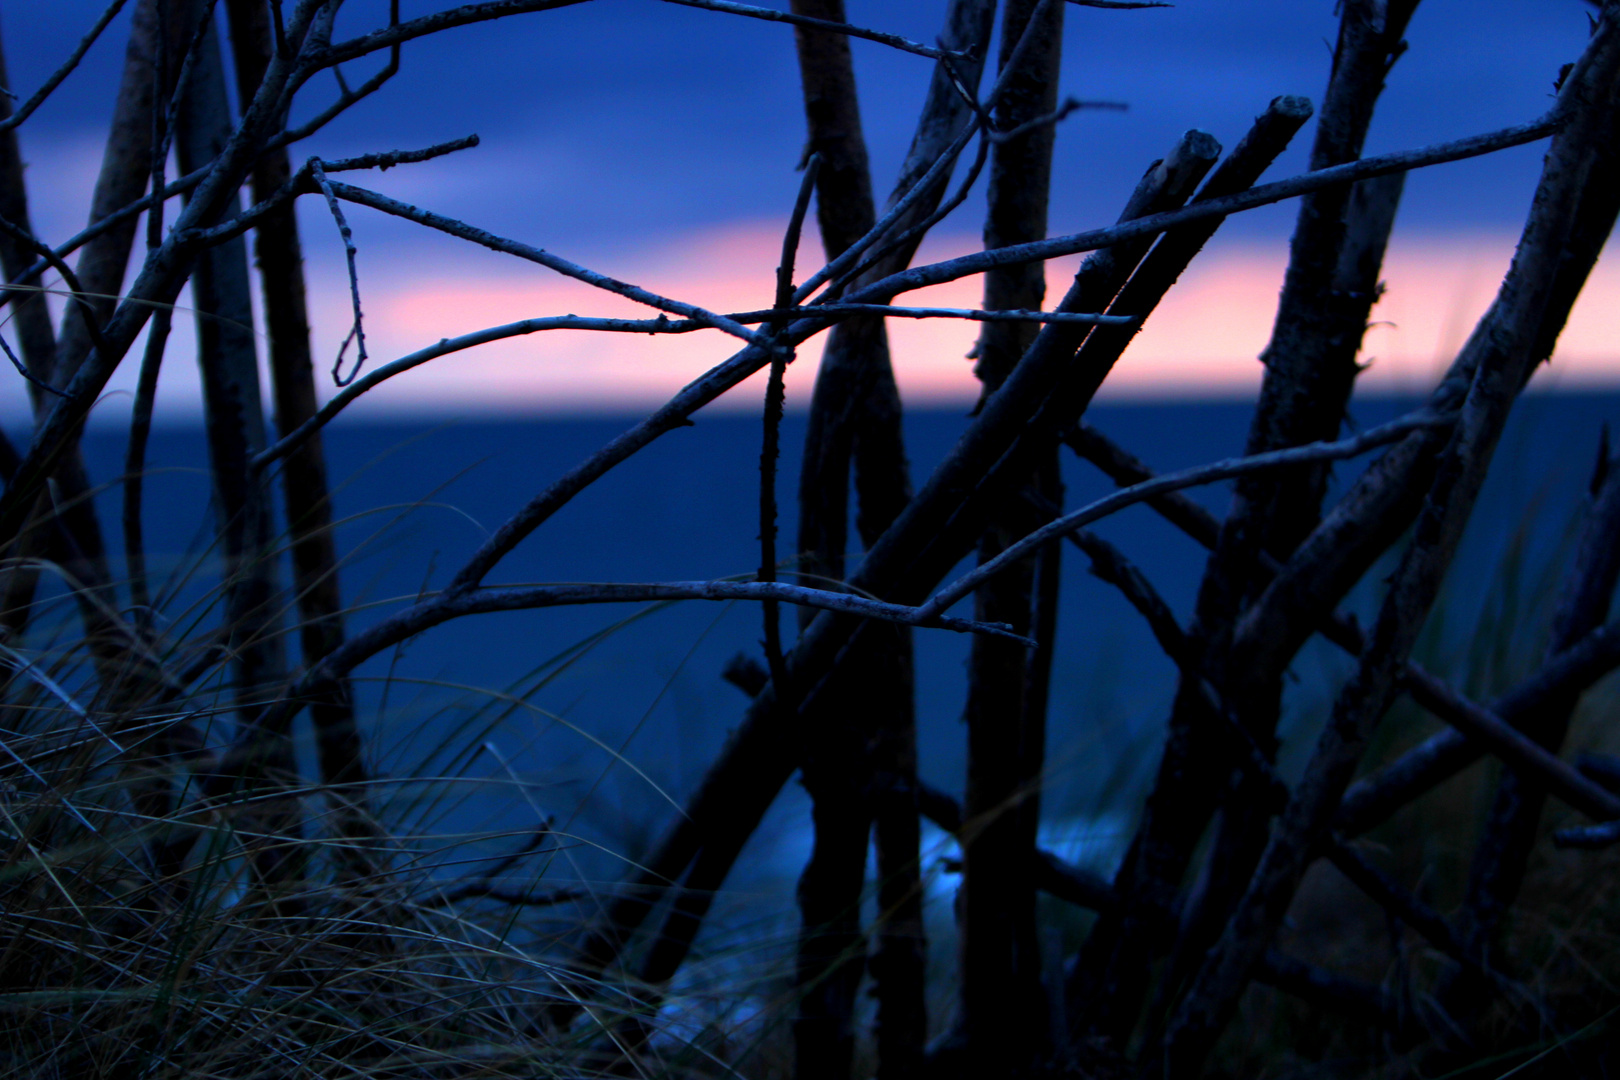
(234, 417)
(280, 258)
(1002, 1001)
(66, 530)
(1501, 353)
(835, 764)
(1331, 284)
(1503, 853)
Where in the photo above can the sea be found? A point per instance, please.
(598, 721)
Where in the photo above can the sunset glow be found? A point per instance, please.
(1203, 341)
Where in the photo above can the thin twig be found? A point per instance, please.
(397, 33)
(22, 369)
(388, 159)
(75, 289)
(973, 314)
(1262, 195)
(921, 229)
(530, 598)
(446, 346)
(27, 108)
(1203, 474)
(140, 429)
(1056, 116)
(770, 448)
(937, 173)
(443, 607)
(894, 41)
(452, 227)
(1588, 837)
(357, 331)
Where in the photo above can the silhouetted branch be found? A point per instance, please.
(1524, 756)
(771, 445)
(1325, 989)
(450, 226)
(836, 26)
(1376, 796)
(1499, 355)
(1202, 474)
(26, 109)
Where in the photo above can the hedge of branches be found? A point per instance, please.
(180, 898)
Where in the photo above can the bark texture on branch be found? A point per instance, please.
(1500, 355)
(1331, 284)
(854, 425)
(280, 258)
(1503, 853)
(227, 356)
(1002, 999)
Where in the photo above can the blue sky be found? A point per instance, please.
(632, 133)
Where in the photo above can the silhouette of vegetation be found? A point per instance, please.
(185, 895)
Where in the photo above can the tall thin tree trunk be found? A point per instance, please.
(234, 417)
(304, 486)
(36, 341)
(1310, 368)
(854, 395)
(1499, 357)
(1003, 1008)
(736, 792)
(79, 547)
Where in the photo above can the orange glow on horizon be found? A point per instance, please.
(1203, 341)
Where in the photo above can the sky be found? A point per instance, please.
(658, 143)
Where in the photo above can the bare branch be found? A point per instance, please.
(1262, 195)
(770, 447)
(1525, 756)
(357, 331)
(1375, 797)
(1125, 469)
(140, 428)
(1589, 837)
(447, 346)
(398, 33)
(1079, 318)
(450, 226)
(447, 606)
(1203, 474)
(388, 159)
(22, 369)
(901, 208)
(27, 108)
(1318, 986)
(1056, 116)
(894, 41)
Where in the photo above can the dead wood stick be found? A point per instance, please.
(1502, 856)
(1525, 756)
(1501, 348)
(1372, 799)
(1007, 689)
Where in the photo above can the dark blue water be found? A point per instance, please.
(631, 722)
